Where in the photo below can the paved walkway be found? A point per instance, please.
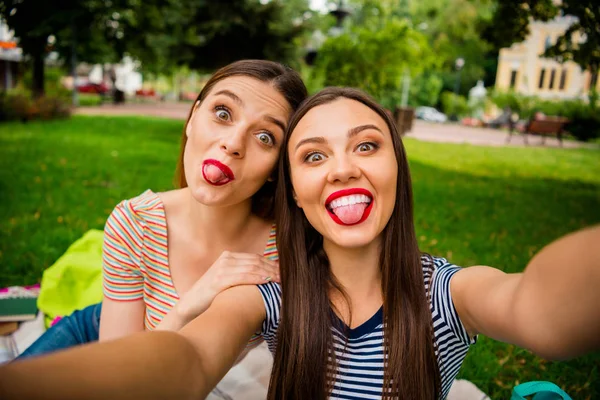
(426, 131)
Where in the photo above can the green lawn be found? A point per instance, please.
(474, 205)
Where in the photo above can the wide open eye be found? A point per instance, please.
(266, 138)
(223, 113)
(314, 157)
(366, 147)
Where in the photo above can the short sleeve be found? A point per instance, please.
(444, 313)
(271, 294)
(121, 254)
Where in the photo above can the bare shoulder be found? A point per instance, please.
(173, 199)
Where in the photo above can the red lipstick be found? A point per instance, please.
(349, 192)
(225, 170)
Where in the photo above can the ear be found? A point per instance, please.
(188, 128)
(296, 199)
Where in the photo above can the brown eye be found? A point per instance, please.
(223, 114)
(314, 157)
(364, 147)
(266, 138)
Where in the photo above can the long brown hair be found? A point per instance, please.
(285, 80)
(304, 358)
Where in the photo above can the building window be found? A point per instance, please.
(547, 43)
(513, 78)
(542, 76)
(552, 76)
(563, 79)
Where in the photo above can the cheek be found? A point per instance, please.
(306, 187)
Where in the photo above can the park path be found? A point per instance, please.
(426, 131)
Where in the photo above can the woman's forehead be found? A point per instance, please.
(337, 118)
(247, 90)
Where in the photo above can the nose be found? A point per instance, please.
(233, 143)
(343, 169)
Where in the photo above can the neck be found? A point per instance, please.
(221, 226)
(356, 269)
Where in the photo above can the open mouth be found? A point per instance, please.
(350, 206)
(216, 173)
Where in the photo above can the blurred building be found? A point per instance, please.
(10, 58)
(520, 67)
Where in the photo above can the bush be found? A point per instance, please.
(374, 59)
(89, 100)
(19, 106)
(425, 90)
(584, 117)
(585, 124)
(453, 104)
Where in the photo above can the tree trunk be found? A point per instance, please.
(38, 73)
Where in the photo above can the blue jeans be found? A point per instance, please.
(83, 326)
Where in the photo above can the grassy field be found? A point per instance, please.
(474, 205)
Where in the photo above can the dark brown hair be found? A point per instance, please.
(304, 338)
(285, 80)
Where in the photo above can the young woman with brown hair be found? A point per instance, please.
(167, 255)
(362, 314)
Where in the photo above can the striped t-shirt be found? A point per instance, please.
(135, 257)
(360, 366)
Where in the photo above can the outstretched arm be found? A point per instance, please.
(551, 308)
(154, 365)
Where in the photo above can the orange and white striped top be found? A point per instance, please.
(135, 257)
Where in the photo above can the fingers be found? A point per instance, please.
(247, 274)
(247, 257)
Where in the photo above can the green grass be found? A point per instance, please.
(89, 99)
(473, 205)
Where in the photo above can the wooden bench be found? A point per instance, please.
(542, 125)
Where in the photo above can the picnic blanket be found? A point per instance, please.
(74, 281)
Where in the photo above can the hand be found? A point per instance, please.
(230, 269)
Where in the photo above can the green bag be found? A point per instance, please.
(74, 281)
(540, 390)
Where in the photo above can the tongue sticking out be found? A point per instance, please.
(214, 174)
(350, 214)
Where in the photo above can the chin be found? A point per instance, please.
(205, 194)
(352, 238)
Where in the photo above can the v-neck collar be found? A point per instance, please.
(366, 327)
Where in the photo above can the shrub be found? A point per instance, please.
(584, 124)
(584, 117)
(455, 105)
(51, 108)
(18, 106)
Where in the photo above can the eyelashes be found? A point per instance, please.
(363, 147)
(265, 137)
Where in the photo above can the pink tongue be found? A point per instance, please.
(350, 214)
(214, 174)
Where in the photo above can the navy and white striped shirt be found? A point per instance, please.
(360, 366)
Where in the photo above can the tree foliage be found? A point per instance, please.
(580, 43)
(162, 34)
(374, 60)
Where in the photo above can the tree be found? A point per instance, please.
(580, 42)
(34, 21)
(162, 34)
(374, 58)
(238, 29)
(453, 28)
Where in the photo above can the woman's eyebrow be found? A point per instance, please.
(357, 129)
(316, 139)
(231, 95)
(351, 132)
(275, 121)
